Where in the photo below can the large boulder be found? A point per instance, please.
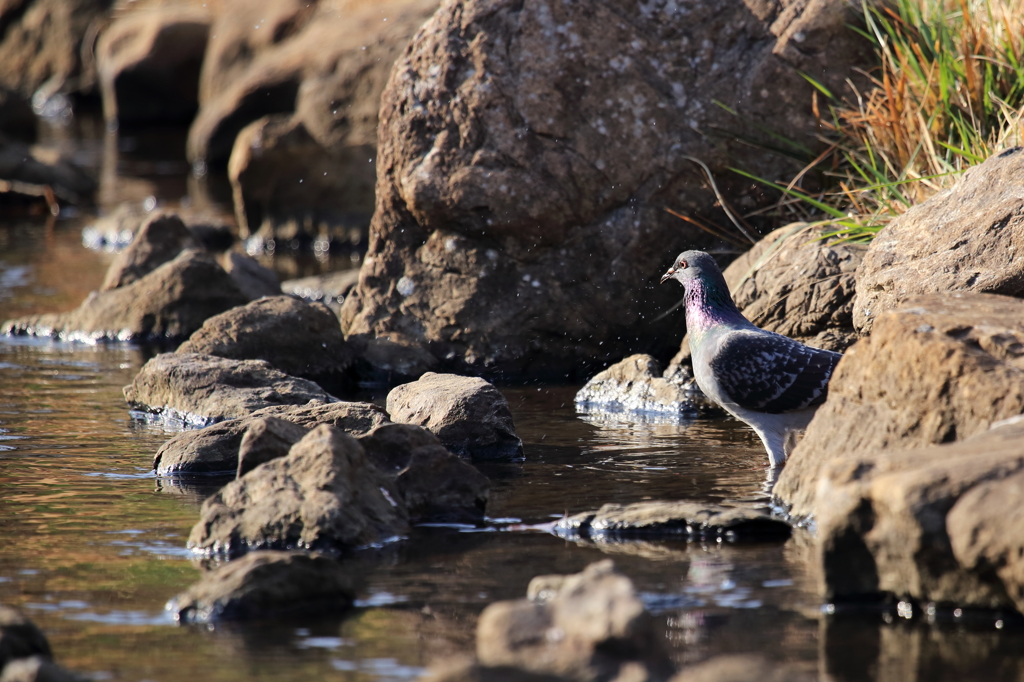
(966, 238)
(527, 153)
(215, 449)
(202, 389)
(938, 370)
(469, 415)
(169, 303)
(324, 494)
(267, 584)
(148, 62)
(265, 439)
(298, 338)
(933, 524)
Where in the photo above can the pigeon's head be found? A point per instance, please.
(693, 265)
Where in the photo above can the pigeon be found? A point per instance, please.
(768, 380)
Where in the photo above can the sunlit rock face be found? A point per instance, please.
(527, 151)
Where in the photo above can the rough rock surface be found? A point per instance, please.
(171, 302)
(933, 524)
(19, 637)
(266, 584)
(148, 62)
(673, 519)
(323, 495)
(214, 449)
(937, 370)
(528, 151)
(330, 289)
(252, 279)
(298, 338)
(160, 238)
(966, 238)
(591, 625)
(637, 384)
(203, 389)
(469, 415)
(436, 486)
(265, 439)
(287, 186)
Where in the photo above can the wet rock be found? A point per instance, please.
(252, 279)
(160, 238)
(470, 416)
(41, 47)
(266, 584)
(587, 626)
(323, 495)
(40, 173)
(743, 668)
(148, 61)
(37, 669)
(520, 228)
(330, 289)
(794, 283)
(19, 637)
(962, 239)
(909, 522)
(203, 389)
(288, 187)
(693, 520)
(267, 438)
(436, 486)
(939, 369)
(214, 450)
(636, 385)
(301, 339)
(171, 302)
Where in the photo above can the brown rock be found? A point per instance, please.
(20, 638)
(267, 584)
(938, 370)
(436, 486)
(964, 239)
(171, 302)
(298, 338)
(986, 532)
(674, 519)
(520, 227)
(203, 389)
(214, 450)
(160, 239)
(323, 495)
(592, 625)
(252, 279)
(330, 289)
(637, 384)
(148, 62)
(885, 523)
(470, 416)
(265, 439)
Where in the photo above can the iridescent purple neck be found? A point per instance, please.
(708, 305)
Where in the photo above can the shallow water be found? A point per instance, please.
(92, 544)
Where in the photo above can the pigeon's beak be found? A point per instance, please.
(668, 275)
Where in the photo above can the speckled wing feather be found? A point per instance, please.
(771, 373)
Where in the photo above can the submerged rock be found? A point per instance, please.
(939, 369)
(214, 450)
(587, 626)
(638, 385)
(469, 415)
(301, 339)
(169, 303)
(324, 494)
(20, 638)
(266, 584)
(693, 520)
(203, 389)
(966, 238)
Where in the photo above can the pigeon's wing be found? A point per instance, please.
(772, 373)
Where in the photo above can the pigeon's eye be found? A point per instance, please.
(683, 264)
